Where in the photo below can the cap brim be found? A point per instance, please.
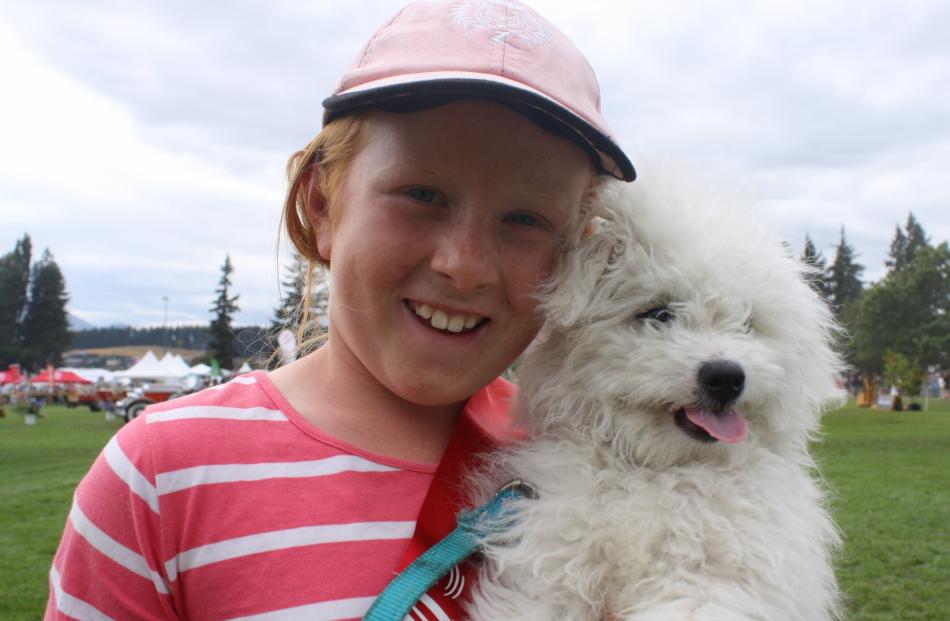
(613, 161)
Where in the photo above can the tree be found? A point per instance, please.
(844, 277)
(46, 325)
(908, 312)
(903, 373)
(905, 247)
(897, 255)
(14, 286)
(287, 314)
(221, 338)
(813, 258)
(916, 237)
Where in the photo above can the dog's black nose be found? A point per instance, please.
(722, 380)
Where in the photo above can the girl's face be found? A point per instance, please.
(450, 218)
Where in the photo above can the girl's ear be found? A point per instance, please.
(318, 213)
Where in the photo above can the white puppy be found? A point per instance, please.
(669, 404)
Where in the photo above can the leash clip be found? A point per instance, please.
(518, 488)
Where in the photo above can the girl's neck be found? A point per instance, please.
(333, 390)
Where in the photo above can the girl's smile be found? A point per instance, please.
(443, 319)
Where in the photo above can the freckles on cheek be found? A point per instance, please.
(523, 295)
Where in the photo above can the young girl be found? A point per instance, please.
(452, 167)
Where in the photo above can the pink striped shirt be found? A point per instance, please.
(227, 504)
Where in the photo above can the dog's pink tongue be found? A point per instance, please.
(725, 426)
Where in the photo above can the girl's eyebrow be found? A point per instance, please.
(409, 165)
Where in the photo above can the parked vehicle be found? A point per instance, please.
(137, 399)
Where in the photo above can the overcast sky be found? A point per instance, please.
(142, 141)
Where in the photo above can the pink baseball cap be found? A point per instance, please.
(493, 49)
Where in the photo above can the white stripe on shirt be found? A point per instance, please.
(240, 379)
(431, 605)
(351, 608)
(215, 411)
(112, 549)
(177, 480)
(285, 539)
(73, 606)
(126, 470)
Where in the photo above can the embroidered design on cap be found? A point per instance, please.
(504, 19)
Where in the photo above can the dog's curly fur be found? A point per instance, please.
(640, 517)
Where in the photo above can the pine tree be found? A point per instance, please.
(221, 337)
(291, 310)
(897, 255)
(844, 276)
(46, 325)
(916, 237)
(295, 279)
(813, 258)
(320, 304)
(14, 287)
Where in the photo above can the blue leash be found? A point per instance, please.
(400, 595)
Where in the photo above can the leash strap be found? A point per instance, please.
(400, 595)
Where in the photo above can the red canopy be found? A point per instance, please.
(60, 377)
(11, 375)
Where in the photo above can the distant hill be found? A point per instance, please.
(78, 325)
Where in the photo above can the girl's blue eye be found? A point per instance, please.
(523, 219)
(423, 195)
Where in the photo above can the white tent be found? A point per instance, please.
(149, 368)
(200, 369)
(175, 365)
(245, 368)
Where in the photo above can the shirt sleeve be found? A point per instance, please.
(109, 562)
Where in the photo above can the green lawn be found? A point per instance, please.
(39, 469)
(890, 472)
(891, 475)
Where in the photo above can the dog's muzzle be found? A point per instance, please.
(713, 418)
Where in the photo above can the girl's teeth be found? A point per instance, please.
(440, 320)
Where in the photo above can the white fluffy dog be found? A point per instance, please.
(669, 404)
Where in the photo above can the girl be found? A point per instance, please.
(452, 168)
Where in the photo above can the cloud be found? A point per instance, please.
(143, 142)
(124, 217)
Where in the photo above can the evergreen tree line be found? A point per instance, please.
(181, 337)
(247, 340)
(900, 325)
(34, 327)
(903, 318)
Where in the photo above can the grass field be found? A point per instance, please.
(891, 475)
(890, 472)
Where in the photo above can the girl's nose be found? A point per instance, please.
(466, 256)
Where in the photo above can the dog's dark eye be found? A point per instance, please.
(661, 314)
